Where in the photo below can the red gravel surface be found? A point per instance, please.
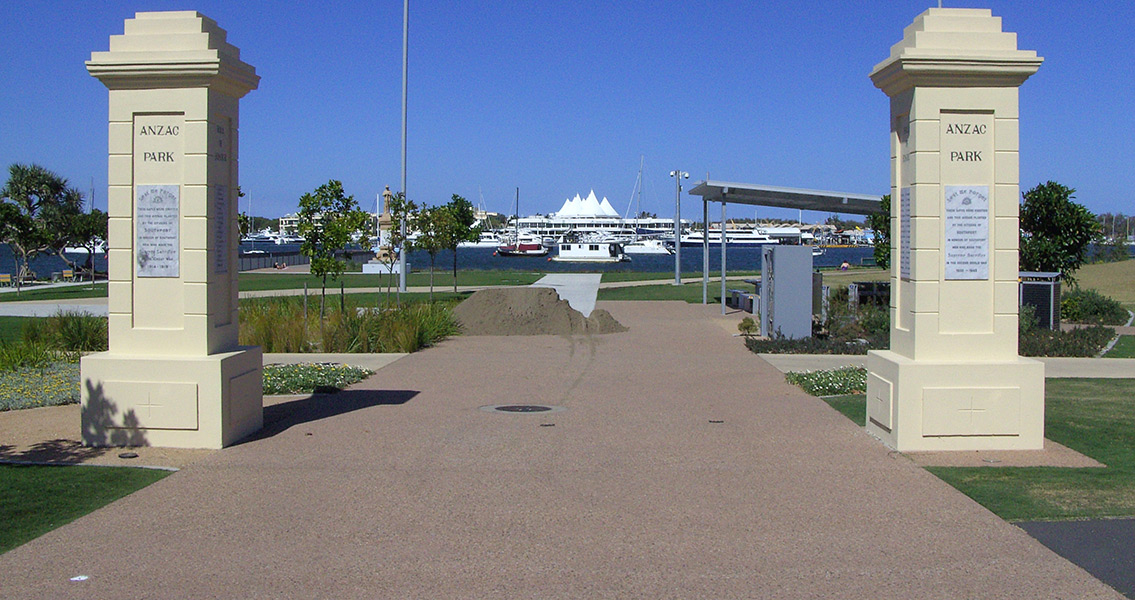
(683, 466)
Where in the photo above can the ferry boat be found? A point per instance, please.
(738, 237)
(591, 252)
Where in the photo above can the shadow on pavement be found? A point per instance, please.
(283, 416)
(62, 451)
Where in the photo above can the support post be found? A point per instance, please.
(952, 379)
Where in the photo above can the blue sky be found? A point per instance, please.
(558, 98)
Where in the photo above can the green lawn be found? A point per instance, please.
(97, 290)
(12, 328)
(37, 499)
(1095, 417)
(689, 292)
(1124, 348)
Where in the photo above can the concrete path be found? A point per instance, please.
(675, 470)
(1108, 368)
(579, 289)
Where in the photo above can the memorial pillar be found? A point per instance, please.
(174, 374)
(952, 379)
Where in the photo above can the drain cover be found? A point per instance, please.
(521, 408)
(524, 408)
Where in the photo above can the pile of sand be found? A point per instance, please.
(528, 311)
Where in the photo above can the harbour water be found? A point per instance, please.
(740, 258)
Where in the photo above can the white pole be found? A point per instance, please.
(678, 175)
(405, 197)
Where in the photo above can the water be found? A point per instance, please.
(740, 258)
(46, 264)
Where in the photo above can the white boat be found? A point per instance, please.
(487, 239)
(591, 252)
(100, 248)
(647, 247)
(733, 237)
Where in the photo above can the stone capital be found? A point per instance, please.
(951, 47)
(179, 49)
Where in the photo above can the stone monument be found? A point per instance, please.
(174, 374)
(385, 260)
(952, 379)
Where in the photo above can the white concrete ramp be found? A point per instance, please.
(579, 289)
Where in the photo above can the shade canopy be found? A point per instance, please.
(782, 197)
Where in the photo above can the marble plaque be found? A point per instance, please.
(157, 211)
(966, 249)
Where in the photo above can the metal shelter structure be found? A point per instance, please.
(727, 192)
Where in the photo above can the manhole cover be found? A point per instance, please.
(522, 408)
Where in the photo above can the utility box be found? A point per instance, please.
(786, 291)
(877, 293)
(1042, 292)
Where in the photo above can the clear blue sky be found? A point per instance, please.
(558, 98)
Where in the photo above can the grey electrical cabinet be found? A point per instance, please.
(786, 291)
(1042, 292)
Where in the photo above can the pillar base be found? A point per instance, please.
(178, 402)
(925, 405)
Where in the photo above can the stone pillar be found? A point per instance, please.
(952, 379)
(174, 374)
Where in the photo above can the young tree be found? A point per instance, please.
(432, 223)
(459, 228)
(85, 230)
(1055, 231)
(400, 210)
(327, 221)
(880, 223)
(34, 207)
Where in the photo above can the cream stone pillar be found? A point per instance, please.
(174, 374)
(952, 379)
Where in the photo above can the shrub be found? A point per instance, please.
(748, 327)
(1082, 342)
(1090, 306)
(831, 382)
(278, 325)
(68, 331)
(26, 355)
(309, 378)
(34, 386)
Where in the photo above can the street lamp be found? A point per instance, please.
(678, 177)
(402, 226)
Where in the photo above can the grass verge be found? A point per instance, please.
(689, 292)
(71, 292)
(1124, 348)
(1095, 417)
(37, 499)
(12, 328)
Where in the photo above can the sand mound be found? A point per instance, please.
(528, 311)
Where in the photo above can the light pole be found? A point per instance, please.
(402, 225)
(678, 177)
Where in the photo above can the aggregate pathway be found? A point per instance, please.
(681, 467)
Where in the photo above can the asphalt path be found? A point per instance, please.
(1104, 548)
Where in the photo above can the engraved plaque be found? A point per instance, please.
(904, 233)
(967, 232)
(157, 210)
(220, 229)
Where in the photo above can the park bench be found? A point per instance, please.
(5, 279)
